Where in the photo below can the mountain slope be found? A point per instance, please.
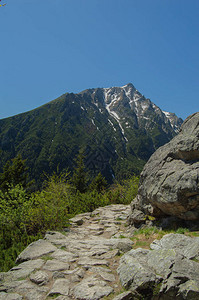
(117, 127)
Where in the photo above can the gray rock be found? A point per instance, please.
(58, 274)
(36, 250)
(64, 256)
(40, 277)
(30, 264)
(134, 272)
(56, 265)
(36, 295)
(161, 261)
(123, 247)
(63, 298)
(60, 287)
(111, 254)
(11, 296)
(185, 245)
(137, 217)
(31, 291)
(77, 220)
(169, 183)
(185, 269)
(20, 273)
(87, 261)
(124, 296)
(165, 272)
(10, 285)
(91, 288)
(24, 269)
(189, 290)
(107, 276)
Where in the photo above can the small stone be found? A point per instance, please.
(57, 275)
(77, 220)
(40, 277)
(107, 276)
(124, 247)
(111, 254)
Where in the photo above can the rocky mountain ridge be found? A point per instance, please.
(117, 127)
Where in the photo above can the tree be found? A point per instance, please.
(80, 177)
(98, 184)
(14, 172)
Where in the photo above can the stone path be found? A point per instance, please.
(80, 263)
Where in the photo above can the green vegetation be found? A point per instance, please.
(52, 135)
(26, 215)
(145, 236)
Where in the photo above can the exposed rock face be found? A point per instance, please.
(169, 183)
(165, 273)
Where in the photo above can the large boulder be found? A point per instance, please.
(170, 270)
(169, 183)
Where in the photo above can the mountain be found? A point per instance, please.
(117, 127)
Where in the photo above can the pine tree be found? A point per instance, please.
(80, 177)
(14, 172)
(98, 184)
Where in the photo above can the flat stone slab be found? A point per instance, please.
(35, 264)
(91, 288)
(60, 287)
(56, 265)
(107, 276)
(11, 296)
(21, 273)
(36, 250)
(64, 256)
(87, 261)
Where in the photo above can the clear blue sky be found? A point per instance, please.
(50, 47)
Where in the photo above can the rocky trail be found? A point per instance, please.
(80, 263)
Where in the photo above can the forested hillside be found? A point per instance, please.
(118, 129)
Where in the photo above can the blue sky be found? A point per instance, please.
(50, 47)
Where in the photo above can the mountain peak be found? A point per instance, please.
(128, 85)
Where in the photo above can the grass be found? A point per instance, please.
(118, 219)
(122, 236)
(195, 259)
(145, 236)
(46, 257)
(63, 248)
